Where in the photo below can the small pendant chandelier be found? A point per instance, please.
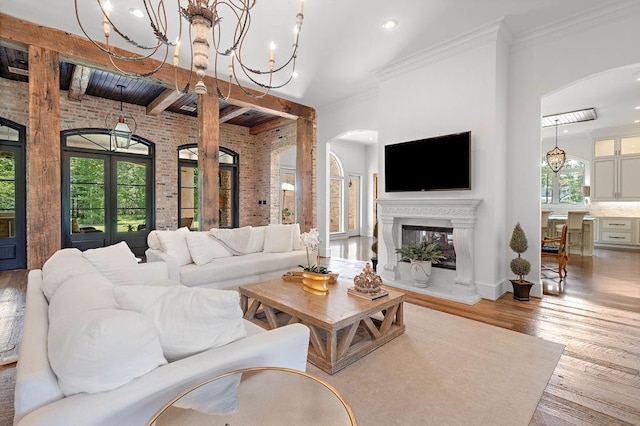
(120, 132)
(556, 157)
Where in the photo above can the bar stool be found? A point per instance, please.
(544, 223)
(574, 227)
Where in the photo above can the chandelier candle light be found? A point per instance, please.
(556, 157)
(208, 20)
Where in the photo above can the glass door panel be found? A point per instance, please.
(87, 188)
(189, 197)
(226, 198)
(335, 206)
(354, 206)
(7, 194)
(288, 196)
(131, 196)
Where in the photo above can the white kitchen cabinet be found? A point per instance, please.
(616, 169)
(618, 231)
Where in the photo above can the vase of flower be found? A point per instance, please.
(315, 278)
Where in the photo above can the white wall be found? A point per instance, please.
(452, 95)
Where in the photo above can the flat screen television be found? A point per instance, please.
(442, 163)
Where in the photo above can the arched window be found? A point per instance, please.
(229, 194)
(336, 199)
(108, 193)
(565, 187)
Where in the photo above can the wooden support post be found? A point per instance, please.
(208, 165)
(44, 235)
(304, 173)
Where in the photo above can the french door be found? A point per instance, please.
(107, 198)
(12, 196)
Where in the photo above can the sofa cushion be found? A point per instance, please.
(256, 239)
(102, 349)
(61, 266)
(236, 239)
(116, 262)
(278, 239)
(174, 244)
(204, 248)
(82, 293)
(188, 320)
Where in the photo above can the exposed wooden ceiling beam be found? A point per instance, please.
(270, 125)
(231, 112)
(79, 50)
(79, 82)
(167, 98)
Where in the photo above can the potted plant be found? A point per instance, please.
(314, 277)
(520, 266)
(421, 256)
(374, 248)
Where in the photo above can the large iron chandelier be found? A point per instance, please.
(206, 19)
(556, 157)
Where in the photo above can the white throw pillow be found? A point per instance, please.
(82, 293)
(256, 240)
(278, 239)
(174, 243)
(102, 349)
(297, 244)
(153, 242)
(188, 320)
(234, 239)
(116, 262)
(61, 266)
(204, 248)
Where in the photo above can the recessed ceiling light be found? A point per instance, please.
(136, 12)
(565, 131)
(638, 107)
(295, 74)
(636, 121)
(390, 24)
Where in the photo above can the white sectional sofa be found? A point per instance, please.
(45, 376)
(226, 258)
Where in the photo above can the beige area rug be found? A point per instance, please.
(447, 370)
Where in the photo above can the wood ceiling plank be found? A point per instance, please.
(79, 82)
(81, 51)
(167, 98)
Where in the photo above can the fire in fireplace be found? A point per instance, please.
(432, 234)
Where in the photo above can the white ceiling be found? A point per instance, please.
(342, 41)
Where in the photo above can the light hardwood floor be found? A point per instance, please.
(596, 314)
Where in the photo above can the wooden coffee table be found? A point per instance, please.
(343, 327)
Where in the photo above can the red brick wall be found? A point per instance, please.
(168, 131)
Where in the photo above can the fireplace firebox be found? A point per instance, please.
(443, 237)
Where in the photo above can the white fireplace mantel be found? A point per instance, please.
(460, 213)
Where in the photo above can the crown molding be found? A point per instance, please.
(455, 46)
(605, 13)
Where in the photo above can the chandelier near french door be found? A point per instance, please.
(208, 21)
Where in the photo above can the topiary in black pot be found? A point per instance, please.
(520, 266)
